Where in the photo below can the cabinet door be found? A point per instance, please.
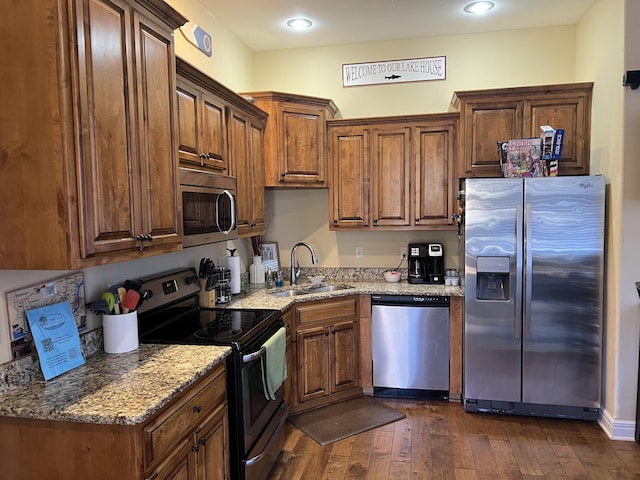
(109, 177)
(302, 144)
(213, 134)
(391, 161)
(256, 156)
(434, 177)
(247, 149)
(313, 355)
(344, 358)
(155, 66)
(570, 113)
(239, 151)
(212, 449)
(179, 466)
(289, 382)
(349, 198)
(201, 129)
(188, 112)
(482, 125)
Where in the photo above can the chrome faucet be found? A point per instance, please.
(294, 262)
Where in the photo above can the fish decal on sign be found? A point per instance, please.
(393, 77)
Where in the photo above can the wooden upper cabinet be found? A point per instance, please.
(246, 147)
(295, 139)
(391, 161)
(489, 116)
(89, 164)
(435, 184)
(393, 173)
(222, 132)
(201, 129)
(350, 190)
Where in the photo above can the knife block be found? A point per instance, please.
(207, 298)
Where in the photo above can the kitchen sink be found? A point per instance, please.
(326, 288)
(288, 293)
(322, 288)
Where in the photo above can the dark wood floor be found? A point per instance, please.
(438, 440)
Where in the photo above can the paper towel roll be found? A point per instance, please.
(233, 264)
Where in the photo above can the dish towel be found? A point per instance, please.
(274, 365)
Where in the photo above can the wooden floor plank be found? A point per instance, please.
(439, 440)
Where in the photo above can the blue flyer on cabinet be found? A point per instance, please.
(56, 337)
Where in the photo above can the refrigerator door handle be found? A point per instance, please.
(528, 272)
(517, 317)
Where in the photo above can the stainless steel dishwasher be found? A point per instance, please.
(410, 345)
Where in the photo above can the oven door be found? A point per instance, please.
(257, 410)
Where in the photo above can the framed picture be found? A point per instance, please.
(270, 257)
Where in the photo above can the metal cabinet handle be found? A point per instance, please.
(197, 408)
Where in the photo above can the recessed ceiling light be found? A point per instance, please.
(478, 8)
(299, 23)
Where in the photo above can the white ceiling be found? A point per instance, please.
(260, 24)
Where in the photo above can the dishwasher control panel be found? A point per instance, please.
(411, 300)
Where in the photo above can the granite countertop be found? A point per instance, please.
(124, 388)
(260, 297)
(128, 388)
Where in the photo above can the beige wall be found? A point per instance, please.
(600, 59)
(489, 60)
(629, 221)
(231, 62)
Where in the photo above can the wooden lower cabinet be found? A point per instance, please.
(187, 440)
(327, 351)
(203, 456)
(290, 381)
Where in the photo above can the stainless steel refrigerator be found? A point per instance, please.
(534, 255)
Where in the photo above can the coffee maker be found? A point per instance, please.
(426, 263)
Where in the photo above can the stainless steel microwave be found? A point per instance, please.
(208, 207)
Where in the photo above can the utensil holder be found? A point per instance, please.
(120, 332)
(207, 298)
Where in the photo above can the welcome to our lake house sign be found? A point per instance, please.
(394, 71)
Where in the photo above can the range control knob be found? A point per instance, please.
(191, 279)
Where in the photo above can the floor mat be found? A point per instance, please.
(341, 420)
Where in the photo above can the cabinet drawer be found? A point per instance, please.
(164, 433)
(331, 310)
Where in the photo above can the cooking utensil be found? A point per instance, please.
(130, 301)
(122, 292)
(132, 285)
(99, 307)
(110, 299)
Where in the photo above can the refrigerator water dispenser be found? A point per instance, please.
(492, 278)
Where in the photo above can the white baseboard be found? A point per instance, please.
(617, 429)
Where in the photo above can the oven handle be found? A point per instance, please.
(252, 357)
(250, 461)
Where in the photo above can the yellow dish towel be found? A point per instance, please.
(274, 365)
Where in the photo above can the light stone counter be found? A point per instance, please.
(260, 297)
(128, 388)
(123, 389)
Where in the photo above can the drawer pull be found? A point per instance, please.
(197, 409)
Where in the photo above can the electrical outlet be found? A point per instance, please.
(359, 253)
(403, 252)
